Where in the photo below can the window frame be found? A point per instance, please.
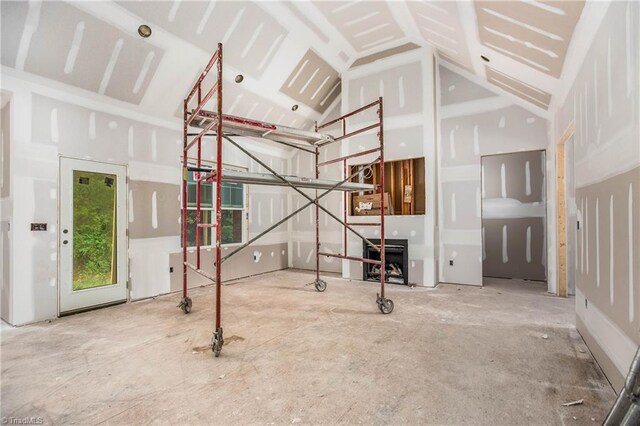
(245, 206)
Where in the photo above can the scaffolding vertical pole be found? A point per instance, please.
(346, 207)
(198, 189)
(317, 214)
(217, 340)
(381, 174)
(185, 302)
(184, 205)
(345, 195)
(319, 284)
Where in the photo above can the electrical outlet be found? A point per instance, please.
(451, 263)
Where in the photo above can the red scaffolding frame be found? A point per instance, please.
(224, 127)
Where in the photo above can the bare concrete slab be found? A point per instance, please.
(453, 355)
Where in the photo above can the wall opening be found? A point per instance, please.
(513, 216)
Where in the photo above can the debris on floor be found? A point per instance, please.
(545, 336)
(569, 404)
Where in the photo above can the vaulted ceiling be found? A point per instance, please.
(288, 52)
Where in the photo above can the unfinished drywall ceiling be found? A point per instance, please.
(61, 42)
(364, 24)
(91, 44)
(534, 33)
(251, 37)
(384, 54)
(313, 81)
(440, 25)
(521, 89)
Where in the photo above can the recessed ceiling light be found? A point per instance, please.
(294, 108)
(239, 78)
(484, 58)
(144, 31)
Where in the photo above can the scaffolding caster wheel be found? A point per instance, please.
(217, 341)
(320, 285)
(185, 304)
(385, 305)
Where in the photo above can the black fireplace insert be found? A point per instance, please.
(396, 253)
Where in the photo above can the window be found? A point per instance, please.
(233, 214)
(404, 187)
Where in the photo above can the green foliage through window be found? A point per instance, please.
(232, 212)
(94, 229)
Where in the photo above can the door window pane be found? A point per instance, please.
(94, 230)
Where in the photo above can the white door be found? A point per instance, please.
(92, 244)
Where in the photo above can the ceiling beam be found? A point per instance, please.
(469, 23)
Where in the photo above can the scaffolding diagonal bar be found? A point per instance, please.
(289, 216)
(313, 201)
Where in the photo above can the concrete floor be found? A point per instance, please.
(453, 355)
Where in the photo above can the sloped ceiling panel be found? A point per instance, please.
(384, 54)
(440, 26)
(13, 17)
(241, 102)
(364, 24)
(456, 89)
(534, 33)
(313, 82)
(519, 88)
(251, 36)
(63, 43)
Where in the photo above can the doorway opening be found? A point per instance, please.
(513, 216)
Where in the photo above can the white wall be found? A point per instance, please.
(474, 121)
(6, 208)
(303, 240)
(406, 83)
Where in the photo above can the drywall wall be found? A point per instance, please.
(603, 103)
(49, 123)
(303, 240)
(406, 83)
(5, 151)
(514, 215)
(474, 122)
(5, 208)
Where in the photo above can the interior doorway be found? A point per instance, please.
(92, 236)
(514, 216)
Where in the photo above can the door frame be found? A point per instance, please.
(58, 229)
(561, 210)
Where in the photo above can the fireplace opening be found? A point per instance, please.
(396, 253)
